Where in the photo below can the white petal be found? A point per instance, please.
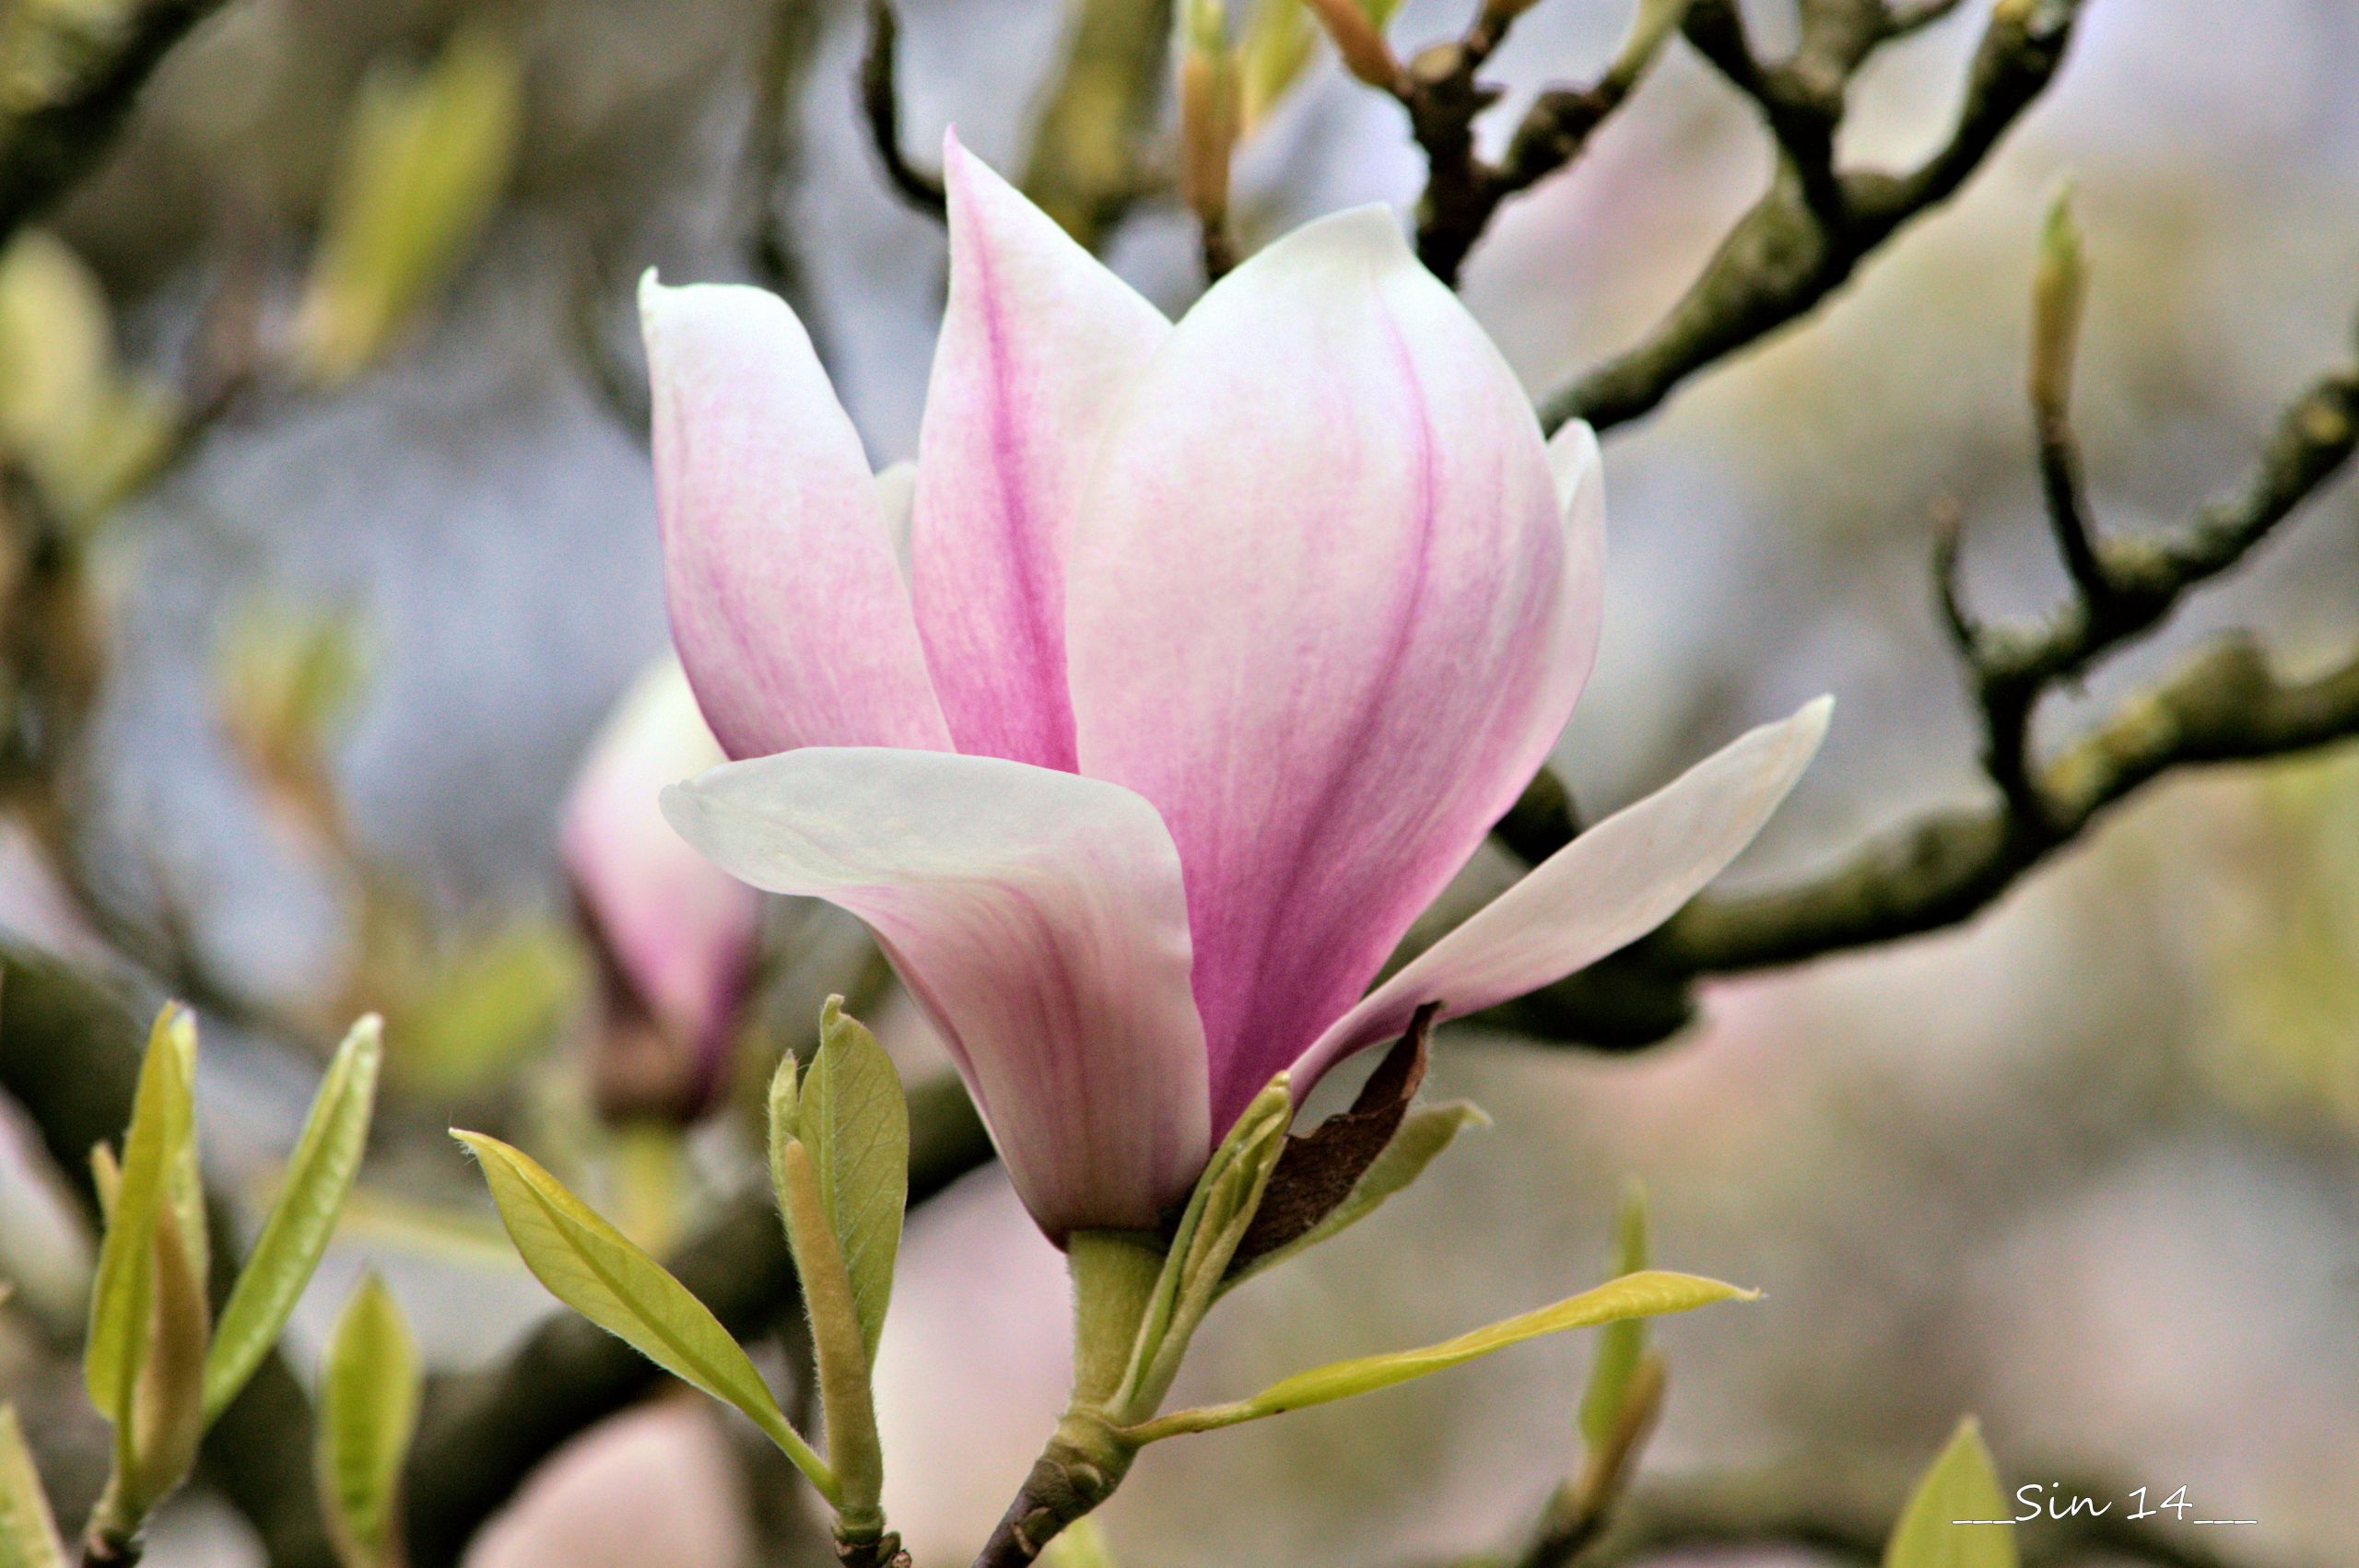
(1037, 916)
(1607, 888)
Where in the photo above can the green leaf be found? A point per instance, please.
(853, 1452)
(1623, 1344)
(367, 1412)
(1648, 1293)
(593, 1268)
(28, 1530)
(84, 431)
(319, 1175)
(185, 1183)
(425, 160)
(1422, 1137)
(1216, 1217)
(849, 1112)
(1961, 1484)
(123, 1292)
(470, 1016)
(168, 1402)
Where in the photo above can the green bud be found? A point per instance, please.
(425, 160)
(2060, 290)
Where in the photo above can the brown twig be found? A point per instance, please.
(1817, 223)
(68, 78)
(880, 102)
(2227, 705)
(1441, 89)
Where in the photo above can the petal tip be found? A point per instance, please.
(1814, 717)
(1366, 240)
(683, 808)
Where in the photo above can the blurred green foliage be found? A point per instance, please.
(426, 156)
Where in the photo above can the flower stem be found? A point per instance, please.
(1080, 1468)
(1114, 1277)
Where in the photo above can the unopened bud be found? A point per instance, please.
(1359, 41)
(1651, 27)
(2060, 288)
(1208, 113)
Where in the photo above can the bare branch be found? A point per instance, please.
(68, 78)
(880, 98)
(1810, 233)
(1442, 91)
(2227, 705)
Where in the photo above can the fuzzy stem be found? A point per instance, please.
(1114, 1276)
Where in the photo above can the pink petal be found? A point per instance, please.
(786, 605)
(681, 930)
(1325, 614)
(1039, 919)
(1038, 344)
(1607, 888)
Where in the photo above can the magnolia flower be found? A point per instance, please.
(1219, 648)
(675, 935)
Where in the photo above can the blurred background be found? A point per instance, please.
(332, 363)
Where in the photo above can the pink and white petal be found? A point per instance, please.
(1612, 885)
(786, 604)
(1037, 918)
(1323, 612)
(1038, 344)
(680, 931)
(896, 493)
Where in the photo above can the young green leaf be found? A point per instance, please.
(1622, 1345)
(185, 1183)
(156, 1447)
(123, 1292)
(106, 1179)
(367, 1412)
(1962, 1485)
(1424, 1135)
(1216, 1217)
(424, 162)
(593, 1268)
(848, 1111)
(1649, 1293)
(319, 1175)
(28, 1530)
(853, 1452)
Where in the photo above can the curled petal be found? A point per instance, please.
(680, 931)
(1324, 612)
(1617, 882)
(787, 607)
(1037, 916)
(1039, 343)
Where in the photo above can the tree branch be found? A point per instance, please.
(2227, 705)
(1811, 231)
(880, 102)
(68, 78)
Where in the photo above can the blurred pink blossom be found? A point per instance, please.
(675, 935)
